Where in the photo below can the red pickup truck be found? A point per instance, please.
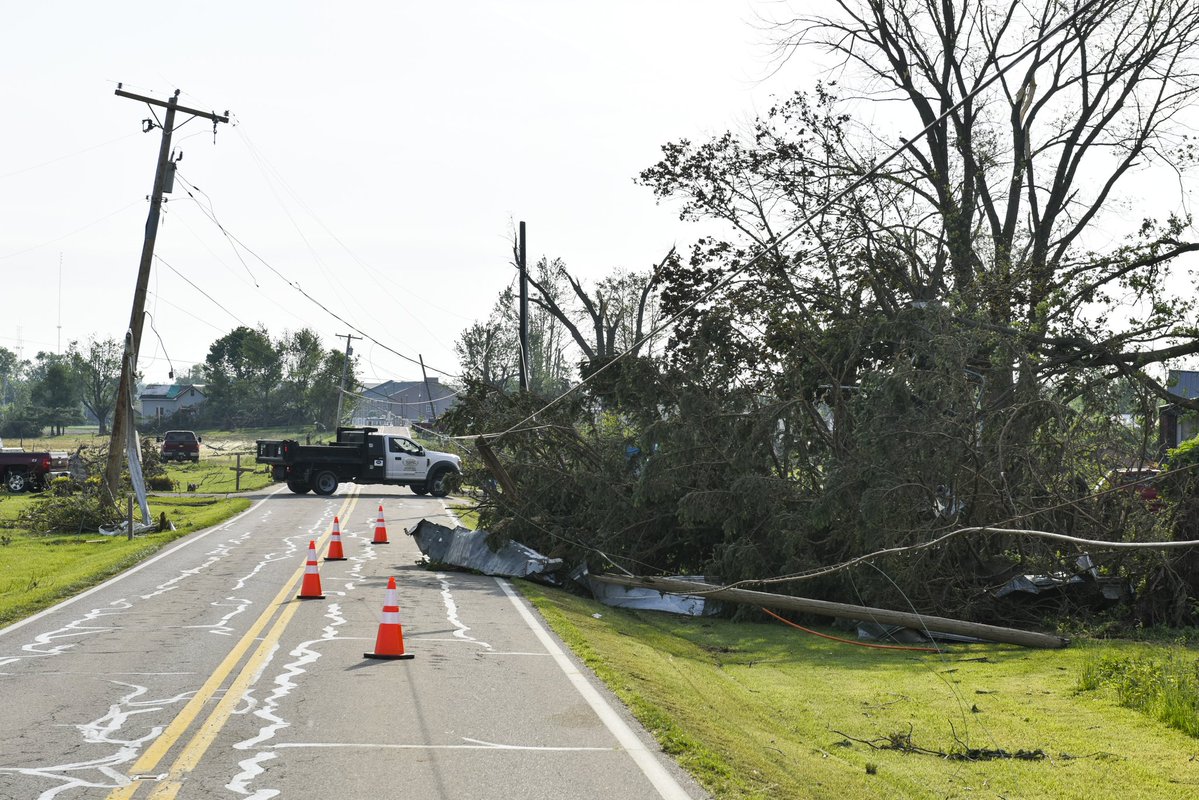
(180, 446)
(21, 471)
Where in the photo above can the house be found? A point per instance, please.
(390, 402)
(162, 401)
(1177, 423)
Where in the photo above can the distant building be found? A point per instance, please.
(1177, 423)
(390, 402)
(161, 401)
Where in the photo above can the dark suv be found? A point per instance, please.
(180, 446)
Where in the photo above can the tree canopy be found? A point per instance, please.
(882, 339)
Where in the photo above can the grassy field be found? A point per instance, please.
(765, 711)
(37, 571)
(212, 474)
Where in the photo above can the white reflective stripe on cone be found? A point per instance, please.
(390, 618)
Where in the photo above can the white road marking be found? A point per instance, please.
(305, 653)
(186, 541)
(668, 788)
(477, 744)
(75, 775)
(451, 613)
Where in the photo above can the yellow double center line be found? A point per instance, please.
(203, 738)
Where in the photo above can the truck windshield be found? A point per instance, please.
(399, 445)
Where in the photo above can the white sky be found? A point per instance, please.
(417, 133)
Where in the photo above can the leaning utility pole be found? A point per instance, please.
(428, 391)
(163, 177)
(524, 310)
(345, 368)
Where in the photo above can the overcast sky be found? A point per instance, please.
(379, 156)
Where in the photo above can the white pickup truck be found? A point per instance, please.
(360, 455)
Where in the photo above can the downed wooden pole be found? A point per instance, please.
(496, 468)
(920, 622)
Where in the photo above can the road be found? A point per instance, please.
(198, 674)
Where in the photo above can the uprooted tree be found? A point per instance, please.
(872, 352)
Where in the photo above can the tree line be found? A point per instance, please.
(870, 349)
(249, 379)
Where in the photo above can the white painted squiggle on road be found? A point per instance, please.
(451, 613)
(103, 772)
(285, 682)
(44, 645)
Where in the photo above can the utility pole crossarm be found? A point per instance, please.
(212, 115)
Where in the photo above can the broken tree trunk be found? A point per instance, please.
(496, 468)
(920, 622)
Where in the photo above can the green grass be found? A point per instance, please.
(763, 711)
(1160, 682)
(37, 571)
(214, 473)
(465, 512)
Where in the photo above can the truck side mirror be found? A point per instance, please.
(199, 439)
(158, 438)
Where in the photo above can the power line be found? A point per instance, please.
(265, 164)
(72, 233)
(198, 289)
(210, 212)
(296, 285)
(183, 310)
(384, 400)
(69, 155)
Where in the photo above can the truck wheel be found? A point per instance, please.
(440, 482)
(17, 480)
(418, 488)
(325, 483)
(299, 487)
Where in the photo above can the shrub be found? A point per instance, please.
(160, 483)
(72, 514)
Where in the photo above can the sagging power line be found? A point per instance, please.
(296, 285)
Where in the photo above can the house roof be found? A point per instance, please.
(389, 389)
(164, 391)
(1183, 382)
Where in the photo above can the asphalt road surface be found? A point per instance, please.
(198, 674)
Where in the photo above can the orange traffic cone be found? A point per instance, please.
(335, 552)
(311, 588)
(380, 529)
(390, 641)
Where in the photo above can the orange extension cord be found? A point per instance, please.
(851, 641)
